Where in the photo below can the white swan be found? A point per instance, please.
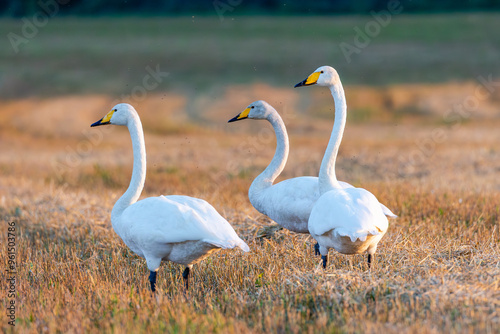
(289, 202)
(349, 220)
(180, 229)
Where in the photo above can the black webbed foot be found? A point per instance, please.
(152, 280)
(185, 276)
(316, 249)
(325, 260)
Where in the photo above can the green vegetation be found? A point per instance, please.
(173, 7)
(109, 55)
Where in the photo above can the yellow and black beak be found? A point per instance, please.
(311, 80)
(240, 116)
(105, 120)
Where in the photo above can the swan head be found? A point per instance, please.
(119, 115)
(256, 110)
(323, 76)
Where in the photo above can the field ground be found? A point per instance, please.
(437, 269)
(408, 140)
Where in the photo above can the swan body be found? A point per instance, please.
(351, 220)
(289, 202)
(174, 220)
(180, 229)
(348, 220)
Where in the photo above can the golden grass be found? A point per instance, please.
(437, 269)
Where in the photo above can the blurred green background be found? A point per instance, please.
(104, 47)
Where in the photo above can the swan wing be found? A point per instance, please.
(352, 212)
(289, 202)
(385, 209)
(174, 219)
(291, 199)
(345, 185)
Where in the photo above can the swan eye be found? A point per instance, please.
(115, 110)
(322, 72)
(253, 107)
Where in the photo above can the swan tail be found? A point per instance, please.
(361, 236)
(244, 247)
(387, 211)
(229, 244)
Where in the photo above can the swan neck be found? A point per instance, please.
(274, 169)
(327, 177)
(138, 172)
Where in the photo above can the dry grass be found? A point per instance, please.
(437, 270)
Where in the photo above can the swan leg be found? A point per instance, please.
(325, 260)
(185, 276)
(152, 280)
(371, 255)
(316, 249)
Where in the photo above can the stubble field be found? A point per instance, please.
(436, 270)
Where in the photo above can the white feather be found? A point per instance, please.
(180, 229)
(289, 202)
(352, 212)
(155, 221)
(350, 220)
